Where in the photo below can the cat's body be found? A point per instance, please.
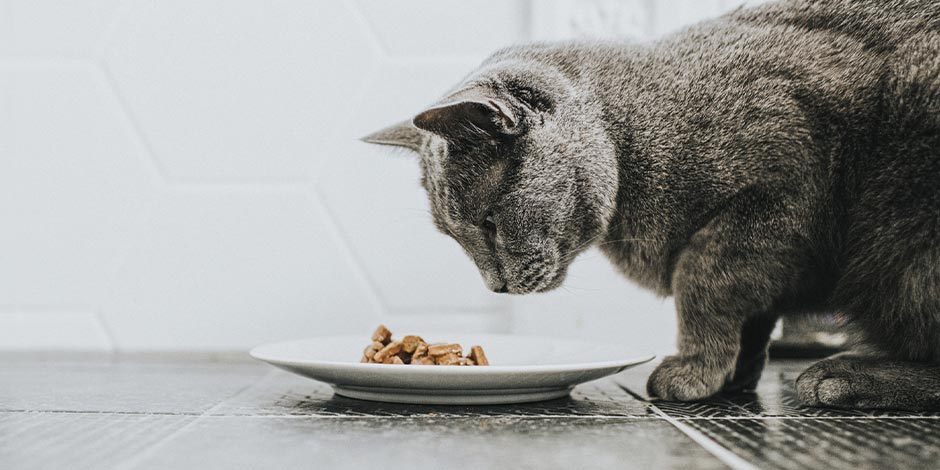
(775, 161)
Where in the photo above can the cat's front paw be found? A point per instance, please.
(838, 383)
(685, 379)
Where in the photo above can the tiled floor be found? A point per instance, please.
(145, 412)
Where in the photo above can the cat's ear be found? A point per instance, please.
(404, 134)
(469, 117)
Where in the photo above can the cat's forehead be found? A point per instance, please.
(513, 74)
(462, 187)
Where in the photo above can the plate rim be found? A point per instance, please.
(255, 353)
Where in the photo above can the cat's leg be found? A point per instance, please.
(870, 382)
(732, 271)
(894, 302)
(755, 340)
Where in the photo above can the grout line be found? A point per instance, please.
(427, 310)
(376, 298)
(43, 62)
(106, 329)
(158, 174)
(51, 307)
(341, 416)
(470, 61)
(97, 412)
(262, 186)
(721, 453)
(655, 416)
(439, 416)
(796, 418)
(434, 415)
(104, 40)
(136, 459)
(378, 46)
(143, 453)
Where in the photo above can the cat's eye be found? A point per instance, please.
(489, 225)
(530, 97)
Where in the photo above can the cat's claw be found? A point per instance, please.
(684, 379)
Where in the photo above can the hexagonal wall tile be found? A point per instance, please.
(54, 27)
(375, 194)
(240, 90)
(227, 269)
(73, 184)
(447, 27)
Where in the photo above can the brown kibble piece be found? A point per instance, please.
(390, 350)
(420, 351)
(414, 350)
(444, 349)
(410, 343)
(478, 356)
(448, 359)
(382, 335)
(370, 351)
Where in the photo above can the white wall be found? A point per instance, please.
(187, 174)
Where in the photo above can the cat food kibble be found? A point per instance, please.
(415, 350)
(442, 349)
(370, 351)
(382, 335)
(388, 351)
(410, 343)
(476, 355)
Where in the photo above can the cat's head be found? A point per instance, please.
(518, 170)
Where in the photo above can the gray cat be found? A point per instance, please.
(777, 160)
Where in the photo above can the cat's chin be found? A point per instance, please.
(557, 280)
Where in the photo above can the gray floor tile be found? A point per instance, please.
(145, 387)
(193, 413)
(226, 442)
(831, 443)
(78, 441)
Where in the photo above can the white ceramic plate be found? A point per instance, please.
(522, 369)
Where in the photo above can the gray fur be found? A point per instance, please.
(777, 160)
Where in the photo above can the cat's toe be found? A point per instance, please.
(684, 379)
(833, 385)
(836, 392)
(807, 385)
